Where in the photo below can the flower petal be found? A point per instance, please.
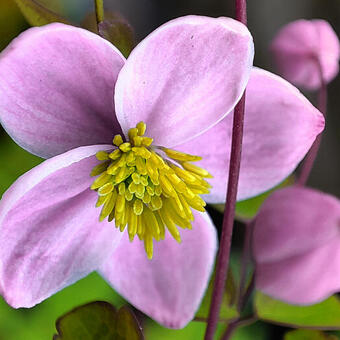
(50, 235)
(280, 127)
(184, 77)
(56, 89)
(169, 287)
(300, 46)
(303, 279)
(296, 245)
(295, 220)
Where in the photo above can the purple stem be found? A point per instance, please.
(237, 323)
(311, 156)
(229, 213)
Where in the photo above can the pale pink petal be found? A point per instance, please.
(169, 287)
(57, 87)
(280, 127)
(295, 220)
(300, 46)
(50, 235)
(296, 245)
(184, 77)
(303, 279)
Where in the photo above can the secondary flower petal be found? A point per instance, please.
(296, 245)
(304, 279)
(184, 77)
(300, 46)
(170, 287)
(50, 235)
(280, 127)
(293, 221)
(56, 89)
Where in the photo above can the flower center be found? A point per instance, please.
(148, 189)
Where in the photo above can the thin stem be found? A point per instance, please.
(244, 263)
(99, 5)
(229, 213)
(238, 323)
(245, 297)
(230, 330)
(311, 156)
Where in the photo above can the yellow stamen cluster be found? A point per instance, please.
(148, 188)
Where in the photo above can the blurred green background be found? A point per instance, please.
(265, 18)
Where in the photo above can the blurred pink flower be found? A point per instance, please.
(64, 93)
(301, 47)
(297, 246)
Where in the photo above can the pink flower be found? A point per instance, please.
(297, 246)
(65, 92)
(301, 47)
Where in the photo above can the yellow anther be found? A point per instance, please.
(115, 154)
(128, 195)
(125, 147)
(170, 225)
(144, 193)
(108, 205)
(121, 175)
(135, 177)
(100, 181)
(132, 187)
(156, 202)
(117, 140)
(132, 221)
(160, 225)
(148, 245)
(147, 141)
(132, 133)
(150, 190)
(141, 126)
(138, 207)
(120, 204)
(137, 141)
(140, 164)
(196, 169)
(102, 155)
(146, 198)
(167, 188)
(130, 159)
(121, 188)
(105, 189)
(140, 189)
(185, 175)
(158, 190)
(144, 180)
(98, 169)
(113, 168)
(100, 201)
(181, 156)
(177, 182)
(142, 151)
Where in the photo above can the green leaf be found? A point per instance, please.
(38, 323)
(308, 334)
(14, 161)
(323, 315)
(196, 331)
(228, 308)
(115, 28)
(10, 28)
(37, 15)
(98, 320)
